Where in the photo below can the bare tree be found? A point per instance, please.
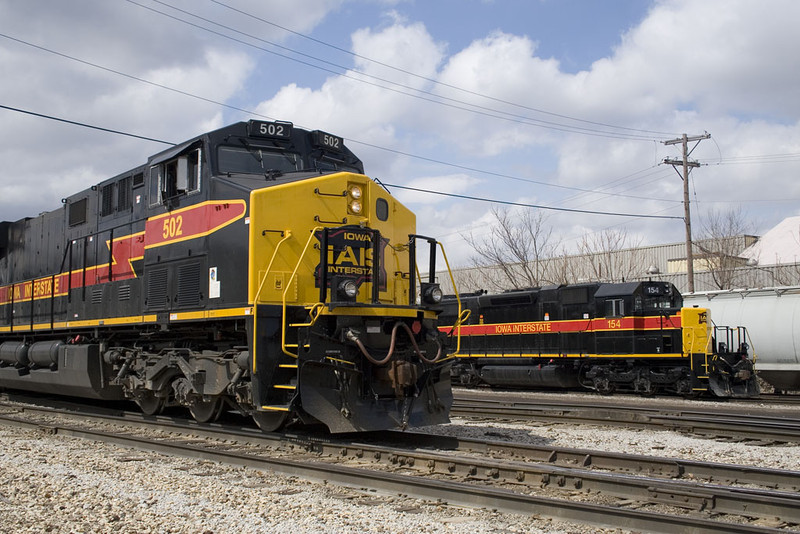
(606, 257)
(563, 268)
(721, 244)
(511, 256)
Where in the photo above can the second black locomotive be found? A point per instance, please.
(606, 337)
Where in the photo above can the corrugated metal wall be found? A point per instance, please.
(628, 265)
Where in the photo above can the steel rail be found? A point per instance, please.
(710, 498)
(674, 468)
(459, 493)
(761, 428)
(721, 473)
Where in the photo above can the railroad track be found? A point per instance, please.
(451, 474)
(758, 427)
(773, 399)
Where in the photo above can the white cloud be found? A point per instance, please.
(723, 66)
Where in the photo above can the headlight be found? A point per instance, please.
(355, 191)
(431, 293)
(348, 289)
(355, 206)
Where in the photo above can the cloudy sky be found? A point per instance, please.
(560, 104)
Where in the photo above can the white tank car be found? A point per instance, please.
(772, 319)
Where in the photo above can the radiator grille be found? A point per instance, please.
(189, 284)
(124, 293)
(156, 288)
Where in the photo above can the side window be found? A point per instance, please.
(179, 176)
(193, 172)
(154, 192)
(615, 308)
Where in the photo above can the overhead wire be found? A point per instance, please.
(570, 128)
(435, 98)
(398, 186)
(526, 205)
(75, 123)
(428, 79)
(256, 114)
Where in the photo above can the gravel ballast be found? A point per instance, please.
(52, 483)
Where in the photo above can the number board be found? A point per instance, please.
(327, 141)
(654, 290)
(274, 130)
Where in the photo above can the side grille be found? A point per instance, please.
(189, 285)
(97, 295)
(156, 288)
(124, 293)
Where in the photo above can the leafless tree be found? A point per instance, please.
(611, 256)
(511, 257)
(721, 244)
(563, 268)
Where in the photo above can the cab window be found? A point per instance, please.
(178, 176)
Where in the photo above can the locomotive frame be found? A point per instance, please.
(252, 268)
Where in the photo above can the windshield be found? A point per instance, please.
(255, 160)
(331, 165)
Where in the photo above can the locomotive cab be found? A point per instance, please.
(637, 299)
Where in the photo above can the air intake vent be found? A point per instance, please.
(97, 295)
(77, 212)
(124, 293)
(156, 288)
(189, 284)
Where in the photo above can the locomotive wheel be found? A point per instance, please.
(207, 411)
(270, 421)
(150, 404)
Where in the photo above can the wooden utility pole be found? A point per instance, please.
(686, 164)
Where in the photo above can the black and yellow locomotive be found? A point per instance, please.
(606, 337)
(252, 268)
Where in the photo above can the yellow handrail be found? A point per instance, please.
(286, 291)
(460, 320)
(286, 235)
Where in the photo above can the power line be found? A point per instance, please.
(50, 117)
(118, 132)
(745, 160)
(425, 78)
(537, 206)
(136, 78)
(436, 98)
(253, 113)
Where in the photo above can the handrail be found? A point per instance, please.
(315, 311)
(459, 320)
(286, 235)
(289, 285)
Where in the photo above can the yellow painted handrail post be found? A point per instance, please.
(458, 299)
(286, 235)
(289, 285)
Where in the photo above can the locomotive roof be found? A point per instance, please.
(615, 290)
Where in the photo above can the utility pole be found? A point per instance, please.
(686, 164)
